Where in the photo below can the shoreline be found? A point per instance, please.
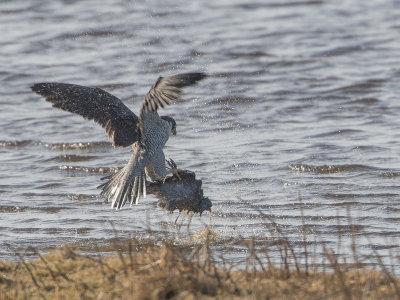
(142, 269)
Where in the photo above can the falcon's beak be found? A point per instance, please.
(173, 131)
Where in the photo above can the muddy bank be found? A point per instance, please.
(144, 270)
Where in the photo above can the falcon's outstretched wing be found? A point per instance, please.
(129, 182)
(167, 89)
(120, 122)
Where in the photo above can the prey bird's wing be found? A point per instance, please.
(120, 122)
(166, 90)
(129, 182)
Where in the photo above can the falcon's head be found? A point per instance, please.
(172, 123)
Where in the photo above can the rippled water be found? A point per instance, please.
(301, 110)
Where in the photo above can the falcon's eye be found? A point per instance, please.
(173, 130)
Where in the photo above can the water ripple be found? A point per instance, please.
(328, 169)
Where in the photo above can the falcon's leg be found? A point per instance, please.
(173, 169)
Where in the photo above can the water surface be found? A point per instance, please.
(300, 115)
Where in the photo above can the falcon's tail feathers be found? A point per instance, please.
(129, 183)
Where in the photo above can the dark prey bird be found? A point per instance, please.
(147, 133)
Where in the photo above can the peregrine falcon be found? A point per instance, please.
(147, 133)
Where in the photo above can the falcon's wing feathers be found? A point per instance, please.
(129, 182)
(94, 104)
(167, 89)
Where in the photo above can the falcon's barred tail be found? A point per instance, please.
(129, 182)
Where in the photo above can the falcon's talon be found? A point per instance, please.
(175, 172)
(171, 164)
(173, 169)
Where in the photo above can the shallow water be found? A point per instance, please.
(300, 115)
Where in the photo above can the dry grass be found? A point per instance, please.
(143, 270)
